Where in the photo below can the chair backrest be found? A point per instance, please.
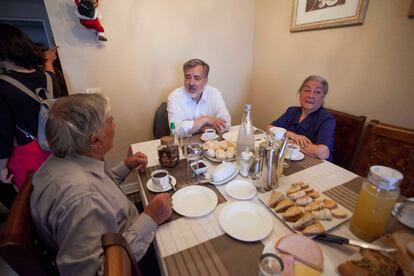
(20, 246)
(348, 132)
(119, 260)
(160, 125)
(390, 146)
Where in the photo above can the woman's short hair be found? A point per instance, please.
(321, 80)
(72, 121)
(194, 62)
(16, 47)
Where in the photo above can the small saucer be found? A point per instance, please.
(155, 189)
(205, 139)
(403, 217)
(297, 158)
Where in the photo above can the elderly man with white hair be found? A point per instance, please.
(76, 197)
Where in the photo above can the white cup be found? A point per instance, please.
(210, 133)
(292, 151)
(160, 179)
(278, 133)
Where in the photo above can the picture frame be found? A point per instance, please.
(411, 10)
(321, 14)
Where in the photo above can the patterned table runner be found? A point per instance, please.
(296, 166)
(347, 193)
(180, 172)
(219, 256)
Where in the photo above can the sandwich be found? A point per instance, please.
(296, 195)
(275, 197)
(314, 206)
(306, 219)
(324, 214)
(303, 201)
(284, 204)
(314, 229)
(303, 249)
(329, 203)
(293, 213)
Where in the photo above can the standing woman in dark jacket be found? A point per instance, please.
(21, 59)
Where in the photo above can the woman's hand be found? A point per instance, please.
(5, 177)
(301, 140)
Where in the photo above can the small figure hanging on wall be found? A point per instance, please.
(89, 16)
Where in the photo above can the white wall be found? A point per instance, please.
(370, 67)
(149, 40)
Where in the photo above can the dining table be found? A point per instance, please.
(199, 245)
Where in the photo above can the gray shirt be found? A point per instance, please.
(74, 202)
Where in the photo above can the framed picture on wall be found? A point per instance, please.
(411, 10)
(321, 14)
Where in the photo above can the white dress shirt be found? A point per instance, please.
(182, 109)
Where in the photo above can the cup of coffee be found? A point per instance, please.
(278, 133)
(160, 179)
(292, 151)
(210, 133)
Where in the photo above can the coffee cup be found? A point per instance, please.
(292, 151)
(278, 133)
(210, 133)
(160, 179)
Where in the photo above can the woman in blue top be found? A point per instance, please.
(310, 126)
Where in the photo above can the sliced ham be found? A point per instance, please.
(303, 249)
(288, 265)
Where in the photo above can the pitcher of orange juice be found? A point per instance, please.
(378, 195)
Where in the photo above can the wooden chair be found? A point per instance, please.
(390, 146)
(160, 125)
(119, 260)
(348, 132)
(20, 246)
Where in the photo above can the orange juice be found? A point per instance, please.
(372, 211)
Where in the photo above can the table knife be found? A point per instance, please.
(342, 240)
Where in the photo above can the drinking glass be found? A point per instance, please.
(270, 265)
(184, 140)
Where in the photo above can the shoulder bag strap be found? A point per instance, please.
(49, 85)
(20, 86)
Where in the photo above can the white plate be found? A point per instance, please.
(213, 159)
(328, 267)
(241, 189)
(245, 221)
(327, 224)
(297, 158)
(156, 189)
(194, 201)
(403, 217)
(205, 139)
(225, 180)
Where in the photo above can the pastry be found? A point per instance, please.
(303, 201)
(297, 195)
(314, 194)
(324, 214)
(339, 213)
(223, 145)
(220, 154)
(284, 204)
(293, 189)
(230, 153)
(275, 197)
(308, 190)
(306, 219)
(329, 203)
(293, 213)
(314, 206)
(211, 152)
(314, 229)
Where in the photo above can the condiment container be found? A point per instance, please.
(168, 152)
(378, 195)
(245, 161)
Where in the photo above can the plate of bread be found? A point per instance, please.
(304, 209)
(301, 256)
(219, 151)
(370, 262)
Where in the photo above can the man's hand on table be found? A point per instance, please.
(160, 208)
(136, 160)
